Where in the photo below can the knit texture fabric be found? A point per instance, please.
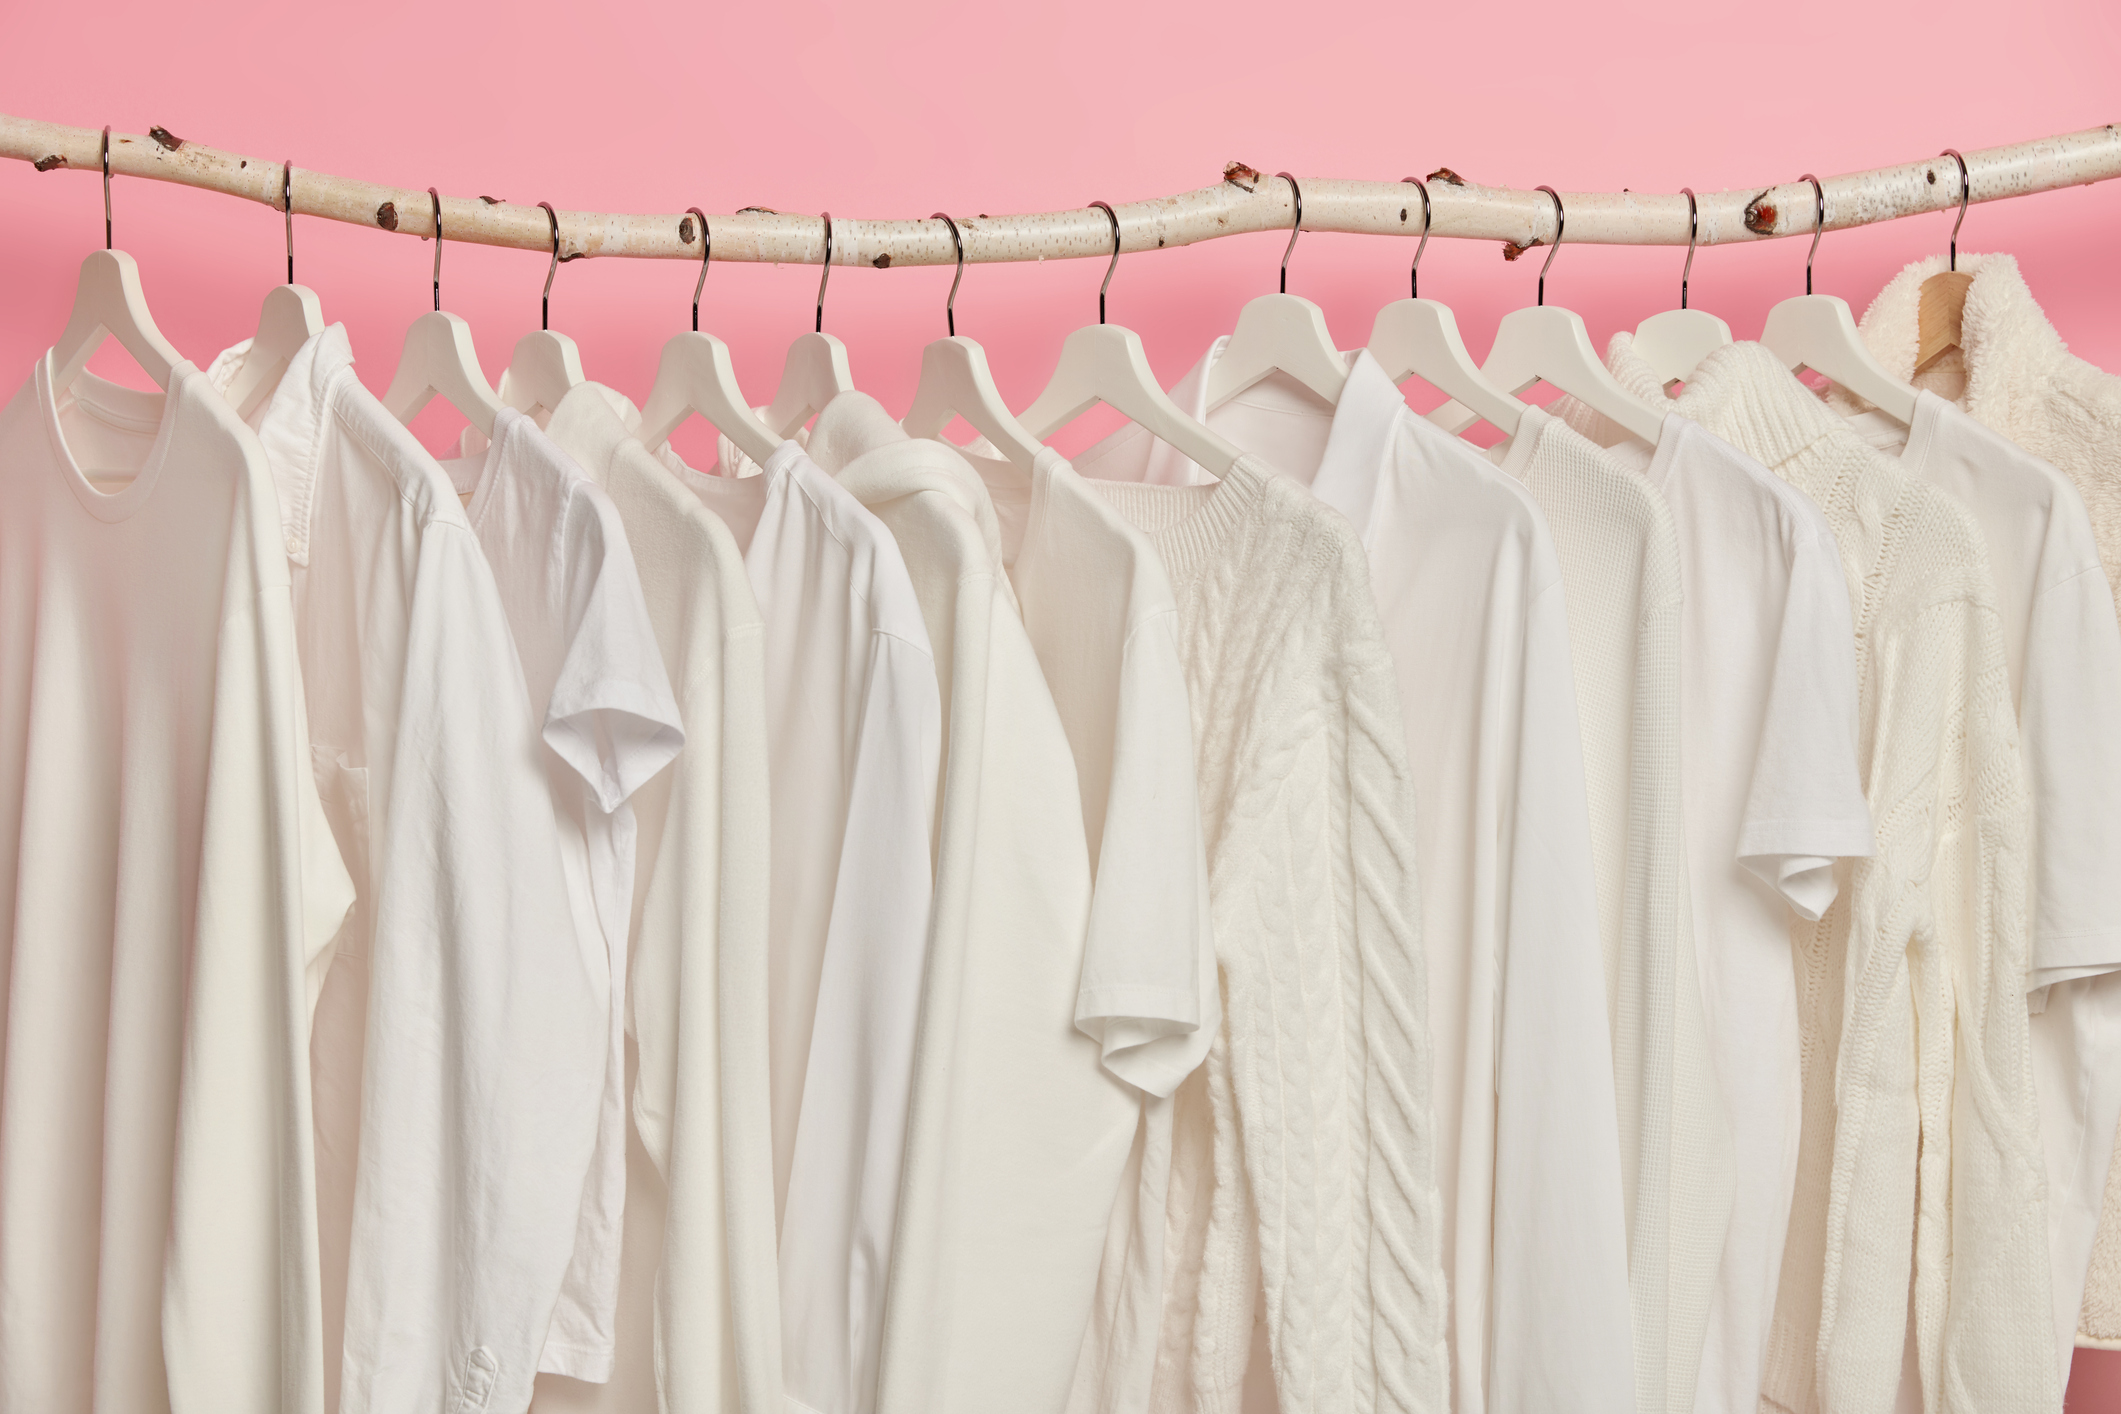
(1619, 557)
(2013, 372)
(1919, 1146)
(1302, 1155)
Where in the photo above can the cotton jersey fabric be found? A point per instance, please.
(854, 735)
(1301, 1171)
(2013, 374)
(1469, 594)
(458, 1047)
(2064, 649)
(600, 692)
(1620, 567)
(699, 1310)
(1018, 1132)
(1920, 1195)
(168, 903)
(1772, 798)
(1099, 612)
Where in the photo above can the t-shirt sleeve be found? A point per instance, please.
(2070, 705)
(488, 1025)
(613, 716)
(1148, 994)
(1806, 806)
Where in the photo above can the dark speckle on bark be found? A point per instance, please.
(883, 261)
(165, 138)
(387, 216)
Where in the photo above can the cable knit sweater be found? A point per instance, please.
(2013, 372)
(1302, 1160)
(1620, 568)
(1919, 1142)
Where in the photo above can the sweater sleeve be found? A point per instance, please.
(1405, 1276)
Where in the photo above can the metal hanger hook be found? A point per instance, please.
(106, 186)
(1818, 226)
(545, 302)
(824, 275)
(1110, 215)
(1966, 190)
(287, 204)
(1560, 220)
(706, 249)
(1414, 275)
(1693, 229)
(436, 198)
(950, 305)
(1296, 228)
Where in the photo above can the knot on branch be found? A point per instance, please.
(387, 216)
(1449, 178)
(1241, 176)
(1511, 250)
(165, 139)
(45, 164)
(1760, 214)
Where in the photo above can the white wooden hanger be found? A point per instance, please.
(816, 369)
(290, 318)
(956, 382)
(438, 358)
(1675, 342)
(545, 366)
(1418, 338)
(695, 376)
(1280, 333)
(1548, 344)
(1818, 332)
(1103, 363)
(108, 300)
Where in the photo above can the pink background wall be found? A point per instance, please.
(871, 108)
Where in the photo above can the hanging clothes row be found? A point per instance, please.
(1289, 909)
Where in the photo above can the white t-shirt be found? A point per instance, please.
(699, 1317)
(460, 959)
(1620, 563)
(2064, 647)
(854, 728)
(1534, 1240)
(597, 684)
(169, 892)
(1773, 797)
(1019, 1133)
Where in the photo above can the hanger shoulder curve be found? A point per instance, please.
(1675, 342)
(1419, 338)
(1103, 363)
(815, 372)
(1278, 334)
(289, 318)
(108, 300)
(1818, 332)
(544, 368)
(695, 375)
(956, 382)
(1549, 344)
(439, 359)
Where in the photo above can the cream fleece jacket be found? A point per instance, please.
(1302, 1162)
(1919, 1147)
(2013, 373)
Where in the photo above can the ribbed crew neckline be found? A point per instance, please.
(1188, 524)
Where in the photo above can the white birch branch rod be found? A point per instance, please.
(1244, 201)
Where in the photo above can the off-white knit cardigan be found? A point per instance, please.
(1302, 1157)
(1920, 1134)
(2013, 373)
